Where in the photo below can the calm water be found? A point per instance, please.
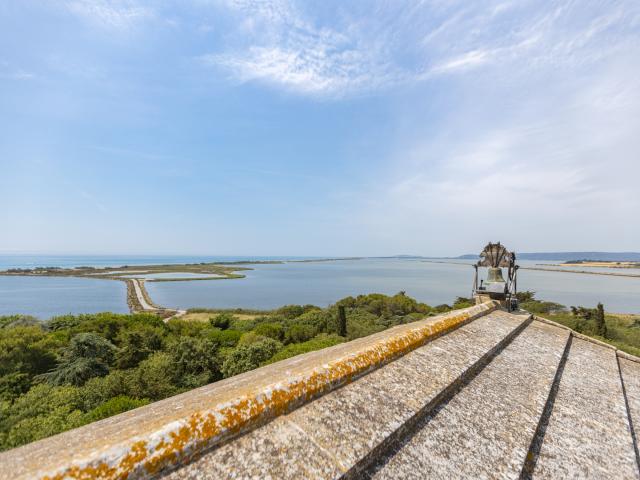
(322, 283)
(44, 297)
(270, 286)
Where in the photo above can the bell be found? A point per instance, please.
(494, 275)
(494, 256)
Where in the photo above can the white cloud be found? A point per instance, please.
(288, 50)
(468, 60)
(119, 14)
(283, 44)
(316, 70)
(540, 129)
(556, 170)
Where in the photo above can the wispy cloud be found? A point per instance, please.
(467, 60)
(289, 50)
(282, 44)
(319, 69)
(120, 14)
(564, 154)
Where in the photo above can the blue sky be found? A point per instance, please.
(318, 128)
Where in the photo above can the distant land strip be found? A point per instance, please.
(562, 270)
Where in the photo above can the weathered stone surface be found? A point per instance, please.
(588, 434)
(348, 423)
(276, 451)
(630, 371)
(485, 430)
(355, 419)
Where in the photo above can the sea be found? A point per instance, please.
(267, 286)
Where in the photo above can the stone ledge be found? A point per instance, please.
(145, 441)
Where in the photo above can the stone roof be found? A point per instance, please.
(477, 393)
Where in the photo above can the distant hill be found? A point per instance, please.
(565, 256)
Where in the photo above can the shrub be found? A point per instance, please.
(43, 411)
(299, 333)
(536, 306)
(248, 357)
(98, 390)
(290, 311)
(136, 345)
(155, 378)
(222, 320)
(321, 341)
(195, 361)
(223, 338)
(271, 330)
(13, 385)
(250, 337)
(24, 350)
(319, 320)
(442, 308)
(463, 302)
(182, 328)
(526, 296)
(10, 321)
(63, 322)
(113, 406)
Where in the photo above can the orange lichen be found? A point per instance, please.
(206, 428)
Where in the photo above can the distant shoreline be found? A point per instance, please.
(597, 264)
(561, 270)
(135, 276)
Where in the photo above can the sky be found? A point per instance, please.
(276, 127)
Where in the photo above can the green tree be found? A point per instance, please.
(463, 302)
(271, 330)
(98, 390)
(222, 320)
(525, 296)
(318, 320)
(132, 351)
(290, 311)
(10, 321)
(155, 378)
(195, 361)
(321, 341)
(299, 333)
(223, 338)
(24, 350)
(13, 385)
(601, 325)
(136, 345)
(248, 357)
(88, 355)
(113, 406)
(43, 411)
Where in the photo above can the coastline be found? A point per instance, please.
(561, 270)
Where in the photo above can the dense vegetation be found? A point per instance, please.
(72, 370)
(622, 331)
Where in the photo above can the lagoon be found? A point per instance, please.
(44, 297)
(322, 283)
